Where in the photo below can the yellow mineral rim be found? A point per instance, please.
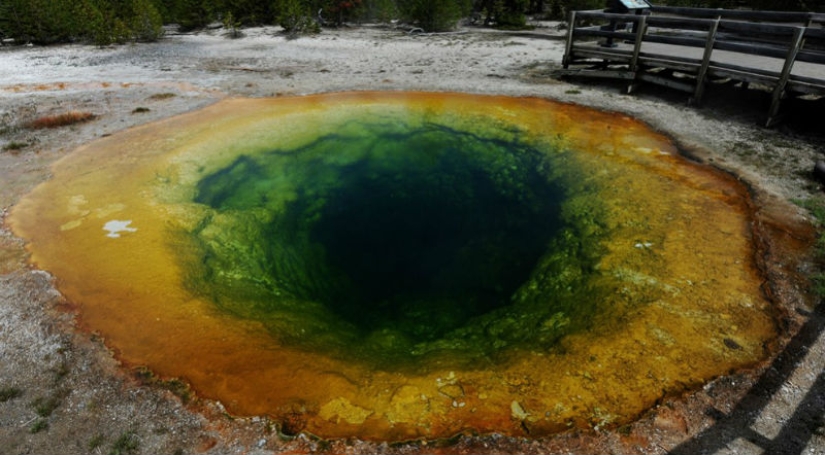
(648, 285)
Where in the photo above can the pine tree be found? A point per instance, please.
(434, 15)
(146, 22)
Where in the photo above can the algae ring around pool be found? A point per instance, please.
(404, 265)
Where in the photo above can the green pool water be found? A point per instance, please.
(390, 240)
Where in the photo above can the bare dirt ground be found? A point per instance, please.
(62, 391)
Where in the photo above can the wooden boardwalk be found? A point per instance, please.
(686, 48)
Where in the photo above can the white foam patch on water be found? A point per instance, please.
(115, 227)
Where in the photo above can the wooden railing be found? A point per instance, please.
(806, 19)
(685, 48)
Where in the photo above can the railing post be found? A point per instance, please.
(641, 29)
(703, 70)
(571, 24)
(637, 45)
(614, 25)
(779, 90)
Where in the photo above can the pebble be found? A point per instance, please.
(517, 411)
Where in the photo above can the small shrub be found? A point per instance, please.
(180, 388)
(815, 206)
(295, 17)
(95, 442)
(15, 145)
(145, 376)
(60, 372)
(126, 443)
(507, 14)
(109, 30)
(9, 393)
(189, 14)
(232, 25)
(434, 15)
(44, 407)
(140, 110)
(818, 284)
(162, 96)
(379, 10)
(337, 12)
(65, 119)
(39, 426)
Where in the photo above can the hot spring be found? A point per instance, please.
(407, 265)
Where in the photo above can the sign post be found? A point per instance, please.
(624, 7)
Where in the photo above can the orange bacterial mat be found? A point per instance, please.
(266, 251)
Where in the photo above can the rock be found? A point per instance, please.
(452, 390)
(517, 411)
(819, 171)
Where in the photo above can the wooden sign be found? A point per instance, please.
(634, 4)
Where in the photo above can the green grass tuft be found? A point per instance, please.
(9, 393)
(39, 426)
(95, 442)
(126, 443)
(816, 207)
(162, 96)
(14, 145)
(44, 407)
(176, 386)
